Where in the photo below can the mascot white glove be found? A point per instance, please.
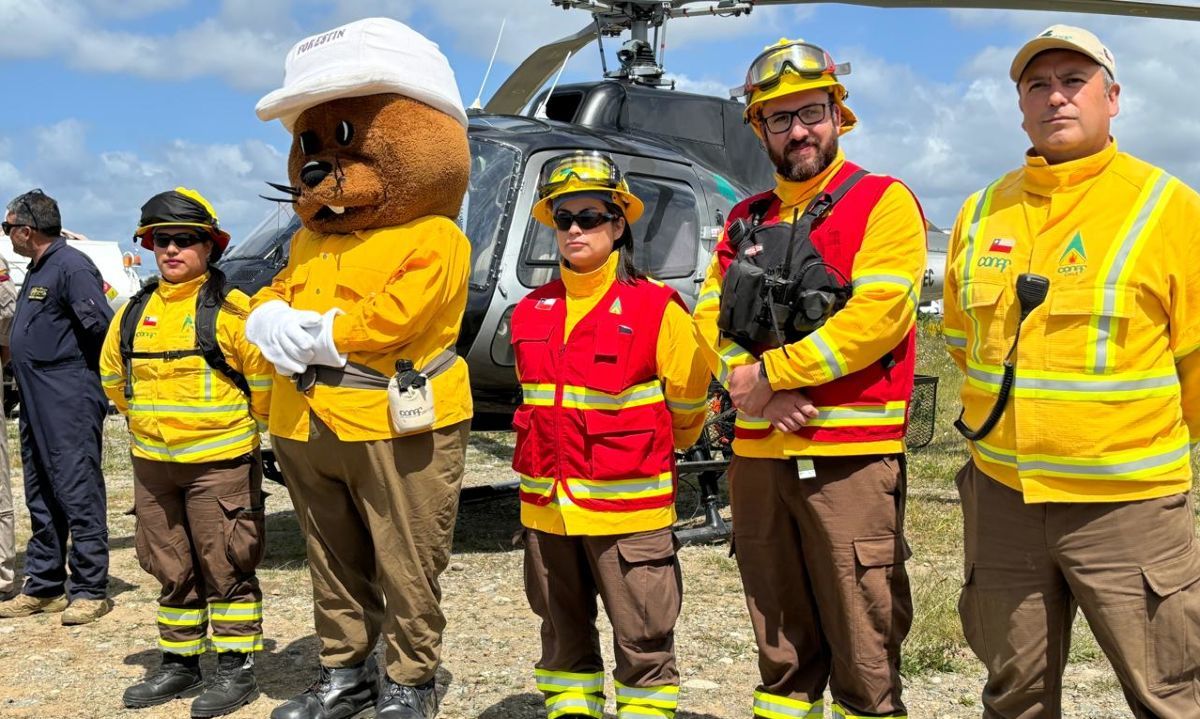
(325, 352)
(282, 334)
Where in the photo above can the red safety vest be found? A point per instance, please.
(594, 429)
(838, 237)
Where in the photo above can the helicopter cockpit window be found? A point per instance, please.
(273, 235)
(666, 238)
(492, 169)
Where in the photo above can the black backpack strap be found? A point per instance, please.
(825, 201)
(760, 208)
(208, 304)
(129, 322)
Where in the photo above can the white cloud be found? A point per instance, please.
(101, 193)
(705, 86)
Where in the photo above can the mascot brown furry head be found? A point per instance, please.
(378, 128)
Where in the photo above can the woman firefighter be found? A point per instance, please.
(613, 385)
(196, 393)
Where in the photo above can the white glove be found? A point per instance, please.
(325, 352)
(281, 333)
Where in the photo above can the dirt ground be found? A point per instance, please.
(49, 671)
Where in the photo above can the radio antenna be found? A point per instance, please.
(541, 111)
(478, 104)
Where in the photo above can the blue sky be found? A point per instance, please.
(109, 102)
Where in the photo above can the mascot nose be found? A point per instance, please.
(314, 171)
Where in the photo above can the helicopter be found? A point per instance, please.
(689, 157)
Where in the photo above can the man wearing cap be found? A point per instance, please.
(59, 325)
(1072, 303)
(817, 482)
(377, 276)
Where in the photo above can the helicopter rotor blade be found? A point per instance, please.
(1139, 8)
(532, 73)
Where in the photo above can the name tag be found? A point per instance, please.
(38, 293)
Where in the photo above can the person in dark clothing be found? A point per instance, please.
(57, 331)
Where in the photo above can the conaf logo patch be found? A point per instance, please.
(1074, 259)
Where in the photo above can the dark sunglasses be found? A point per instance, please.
(587, 219)
(9, 227)
(183, 242)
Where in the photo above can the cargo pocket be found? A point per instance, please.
(620, 446)
(982, 303)
(1173, 622)
(968, 612)
(1108, 307)
(530, 341)
(141, 544)
(654, 583)
(884, 611)
(245, 529)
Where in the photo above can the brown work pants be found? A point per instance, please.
(200, 533)
(638, 578)
(378, 519)
(1132, 567)
(822, 564)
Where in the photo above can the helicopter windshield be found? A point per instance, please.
(492, 170)
(271, 234)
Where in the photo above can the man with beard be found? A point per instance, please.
(817, 482)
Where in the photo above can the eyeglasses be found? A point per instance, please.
(183, 241)
(587, 219)
(809, 116)
(8, 227)
(589, 168)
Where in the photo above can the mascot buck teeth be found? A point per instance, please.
(371, 408)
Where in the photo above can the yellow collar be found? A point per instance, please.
(1042, 178)
(799, 193)
(181, 290)
(591, 283)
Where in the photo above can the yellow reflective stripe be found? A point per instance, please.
(173, 617)
(888, 279)
(1077, 386)
(728, 353)
(253, 643)
(745, 421)
(834, 363)
(772, 706)
(161, 449)
(841, 713)
(572, 703)
(983, 206)
(639, 395)
(235, 611)
(687, 405)
(109, 380)
(955, 338)
(259, 381)
(536, 485)
(706, 298)
(638, 488)
(663, 697)
(1114, 273)
(552, 681)
(161, 408)
(186, 648)
(538, 395)
(889, 414)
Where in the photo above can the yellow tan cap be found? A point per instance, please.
(1063, 37)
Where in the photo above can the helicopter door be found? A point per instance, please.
(666, 239)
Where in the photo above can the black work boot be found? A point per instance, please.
(399, 701)
(337, 694)
(233, 687)
(176, 675)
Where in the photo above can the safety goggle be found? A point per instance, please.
(807, 61)
(587, 167)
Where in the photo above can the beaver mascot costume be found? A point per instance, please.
(370, 406)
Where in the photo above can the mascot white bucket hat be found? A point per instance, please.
(366, 57)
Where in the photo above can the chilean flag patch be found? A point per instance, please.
(546, 303)
(1002, 245)
(149, 321)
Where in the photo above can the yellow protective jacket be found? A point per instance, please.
(886, 276)
(403, 291)
(684, 380)
(183, 410)
(1107, 389)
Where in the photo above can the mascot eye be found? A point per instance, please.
(345, 133)
(309, 142)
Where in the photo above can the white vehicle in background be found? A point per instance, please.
(117, 269)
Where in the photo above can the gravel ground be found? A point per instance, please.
(49, 671)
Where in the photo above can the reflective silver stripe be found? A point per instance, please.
(710, 295)
(862, 412)
(957, 342)
(235, 613)
(561, 704)
(666, 696)
(536, 485)
(619, 487)
(584, 396)
(566, 681)
(187, 648)
(681, 405)
(1106, 470)
(774, 708)
(1084, 387)
(181, 617)
(158, 408)
(532, 395)
(827, 354)
(901, 280)
(165, 451)
(985, 200)
(1109, 302)
(238, 644)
